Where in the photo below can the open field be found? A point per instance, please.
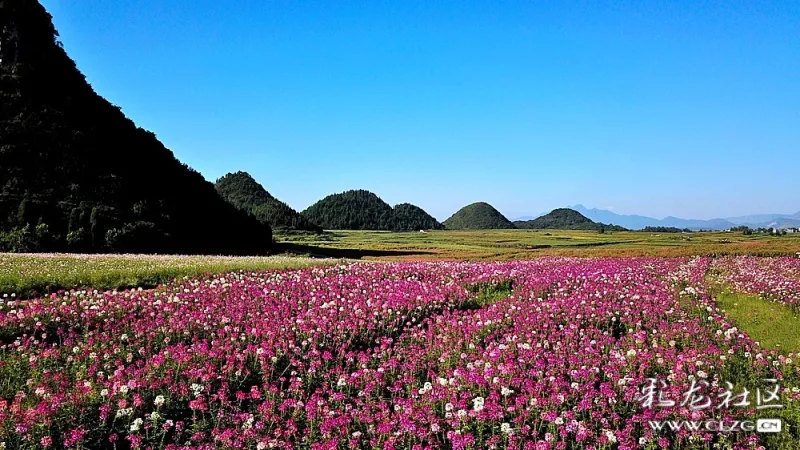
(526, 244)
(26, 274)
(550, 353)
(773, 325)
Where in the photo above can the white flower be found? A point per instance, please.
(137, 423)
(631, 353)
(197, 389)
(249, 423)
(104, 393)
(425, 388)
(159, 400)
(448, 407)
(505, 427)
(123, 389)
(461, 413)
(610, 436)
(477, 404)
(505, 391)
(155, 416)
(124, 412)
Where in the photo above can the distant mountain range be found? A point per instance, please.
(637, 222)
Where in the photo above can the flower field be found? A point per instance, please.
(776, 279)
(553, 353)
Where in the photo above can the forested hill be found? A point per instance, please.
(77, 175)
(412, 217)
(363, 210)
(478, 216)
(244, 192)
(565, 219)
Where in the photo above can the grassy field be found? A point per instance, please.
(25, 275)
(774, 325)
(523, 244)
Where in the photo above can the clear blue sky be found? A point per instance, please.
(664, 108)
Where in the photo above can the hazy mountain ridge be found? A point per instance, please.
(637, 222)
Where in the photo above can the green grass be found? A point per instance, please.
(26, 275)
(522, 244)
(772, 324)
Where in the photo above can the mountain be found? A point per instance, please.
(565, 219)
(245, 193)
(351, 210)
(633, 222)
(77, 175)
(363, 210)
(410, 217)
(636, 222)
(762, 220)
(780, 223)
(477, 216)
(524, 218)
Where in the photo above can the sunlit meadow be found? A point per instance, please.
(552, 353)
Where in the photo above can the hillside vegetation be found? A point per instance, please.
(477, 216)
(363, 210)
(246, 194)
(77, 175)
(565, 219)
(412, 217)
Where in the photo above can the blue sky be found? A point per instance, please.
(689, 109)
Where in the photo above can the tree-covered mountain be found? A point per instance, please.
(477, 216)
(244, 192)
(565, 219)
(77, 175)
(363, 210)
(411, 217)
(351, 210)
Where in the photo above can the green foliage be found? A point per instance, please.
(666, 230)
(410, 217)
(477, 216)
(363, 210)
(71, 160)
(565, 219)
(246, 194)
